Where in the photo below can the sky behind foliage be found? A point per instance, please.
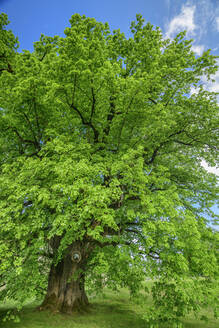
(199, 17)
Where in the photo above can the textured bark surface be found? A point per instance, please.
(66, 291)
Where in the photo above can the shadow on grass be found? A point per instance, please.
(117, 315)
(110, 312)
(99, 315)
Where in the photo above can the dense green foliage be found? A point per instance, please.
(101, 141)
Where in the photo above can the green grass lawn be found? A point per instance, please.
(114, 310)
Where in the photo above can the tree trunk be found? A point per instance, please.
(66, 291)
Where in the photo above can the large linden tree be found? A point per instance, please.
(101, 177)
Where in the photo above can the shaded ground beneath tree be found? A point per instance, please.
(112, 310)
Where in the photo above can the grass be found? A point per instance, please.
(114, 310)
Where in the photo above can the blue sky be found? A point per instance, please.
(200, 18)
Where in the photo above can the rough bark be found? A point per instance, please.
(66, 290)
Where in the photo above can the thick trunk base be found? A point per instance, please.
(75, 305)
(66, 292)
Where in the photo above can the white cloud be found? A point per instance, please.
(197, 19)
(183, 21)
(209, 168)
(198, 49)
(194, 91)
(217, 23)
(208, 85)
(214, 86)
(206, 11)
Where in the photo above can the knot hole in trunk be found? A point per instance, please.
(76, 256)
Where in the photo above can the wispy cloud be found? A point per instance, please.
(198, 20)
(167, 3)
(198, 49)
(210, 169)
(183, 21)
(212, 86)
(217, 23)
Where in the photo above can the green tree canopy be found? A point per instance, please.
(101, 143)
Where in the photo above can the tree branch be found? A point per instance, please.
(93, 104)
(123, 122)
(96, 133)
(153, 101)
(37, 118)
(36, 144)
(155, 153)
(8, 69)
(20, 137)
